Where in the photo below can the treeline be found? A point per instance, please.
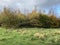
(16, 19)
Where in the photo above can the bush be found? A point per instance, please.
(12, 19)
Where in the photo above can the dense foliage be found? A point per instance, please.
(15, 19)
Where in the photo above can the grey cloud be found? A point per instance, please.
(49, 3)
(29, 4)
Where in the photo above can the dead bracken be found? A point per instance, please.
(39, 35)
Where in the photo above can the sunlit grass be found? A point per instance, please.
(29, 36)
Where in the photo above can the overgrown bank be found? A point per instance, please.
(16, 19)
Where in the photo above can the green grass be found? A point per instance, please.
(29, 36)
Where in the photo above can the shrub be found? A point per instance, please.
(12, 19)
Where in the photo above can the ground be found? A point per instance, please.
(29, 36)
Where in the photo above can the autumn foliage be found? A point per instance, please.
(13, 19)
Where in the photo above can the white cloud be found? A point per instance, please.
(29, 4)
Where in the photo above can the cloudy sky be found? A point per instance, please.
(29, 4)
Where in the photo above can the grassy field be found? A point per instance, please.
(29, 36)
